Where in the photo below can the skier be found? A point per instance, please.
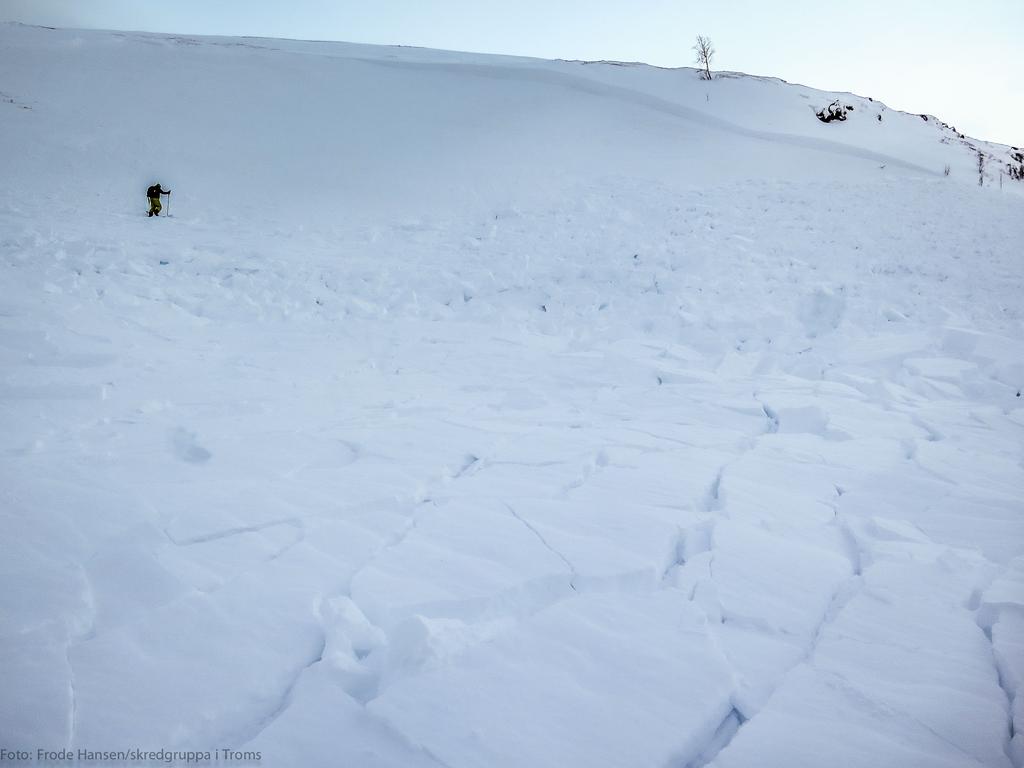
(153, 193)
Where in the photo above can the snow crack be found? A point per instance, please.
(722, 737)
(285, 700)
(542, 540)
(86, 633)
(229, 532)
(712, 499)
(986, 618)
(72, 700)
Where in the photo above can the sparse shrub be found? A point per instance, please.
(945, 170)
(705, 52)
(1016, 172)
(834, 111)
(981, 169)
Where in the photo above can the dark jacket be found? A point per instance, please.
(155, 191)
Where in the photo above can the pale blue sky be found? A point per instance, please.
(962, 60)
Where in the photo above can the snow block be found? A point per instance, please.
(593, 680)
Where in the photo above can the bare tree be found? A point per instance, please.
(705, 52)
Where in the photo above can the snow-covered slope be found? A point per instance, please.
(479, 411)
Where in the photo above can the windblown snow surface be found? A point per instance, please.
(477, 411)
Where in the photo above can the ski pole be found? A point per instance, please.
(168, 203)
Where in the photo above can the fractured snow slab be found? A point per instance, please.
(592, 680)
(461, 560)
